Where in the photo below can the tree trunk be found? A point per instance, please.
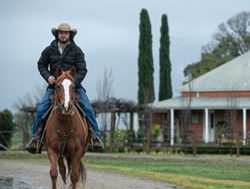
(112, 131)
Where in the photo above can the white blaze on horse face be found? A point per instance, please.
(66, 84)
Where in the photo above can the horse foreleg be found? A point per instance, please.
(53, 158)
(74, 175)
(75, 170)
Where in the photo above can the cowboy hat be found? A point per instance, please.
(64, 27)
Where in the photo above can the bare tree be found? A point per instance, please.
(29, 100)
(185, 113)
(231, 117)
(24, 119)
(105, 85)
(187, 134)
(104, 92)
(234, 34)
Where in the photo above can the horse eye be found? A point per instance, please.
(58, 86)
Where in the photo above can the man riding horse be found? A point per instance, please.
(64, 53)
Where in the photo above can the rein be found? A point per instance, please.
(59, 106)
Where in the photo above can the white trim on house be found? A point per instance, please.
(172, 127)
(244, 112)
(201, 103)
(206, 126)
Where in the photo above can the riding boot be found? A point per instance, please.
(97, 144)
(34, 145)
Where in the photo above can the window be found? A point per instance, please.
(195, 118)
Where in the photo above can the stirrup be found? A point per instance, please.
(31, 147)
(98, 144)
(34, 146)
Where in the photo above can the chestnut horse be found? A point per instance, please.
(67, 133)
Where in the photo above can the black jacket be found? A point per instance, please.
(72, 55)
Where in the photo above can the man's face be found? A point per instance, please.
(63, 36)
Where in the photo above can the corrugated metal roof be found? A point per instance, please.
(201, 103)
(231, 76)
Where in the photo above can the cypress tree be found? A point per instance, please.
(165, 87)
(145, 61)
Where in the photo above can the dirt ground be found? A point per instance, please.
(24, 175)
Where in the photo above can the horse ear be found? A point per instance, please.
(73, 71)
(59, 71)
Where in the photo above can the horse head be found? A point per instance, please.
(64, 90)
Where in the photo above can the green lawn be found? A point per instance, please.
(227, 171)
(188, 174)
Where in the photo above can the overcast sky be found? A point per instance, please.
(108, 33)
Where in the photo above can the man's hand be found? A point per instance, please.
(51, 80)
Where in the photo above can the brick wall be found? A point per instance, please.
(214, 94)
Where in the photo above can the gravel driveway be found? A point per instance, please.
(24, 175)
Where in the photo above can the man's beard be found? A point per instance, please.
(64, 41)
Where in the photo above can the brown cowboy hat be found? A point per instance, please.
(64, 27)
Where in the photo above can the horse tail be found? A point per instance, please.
(82, 173)
(82, 170)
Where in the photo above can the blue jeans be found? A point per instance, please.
(83, 102)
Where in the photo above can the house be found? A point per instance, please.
(212, 107)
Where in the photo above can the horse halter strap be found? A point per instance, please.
(57, 104)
